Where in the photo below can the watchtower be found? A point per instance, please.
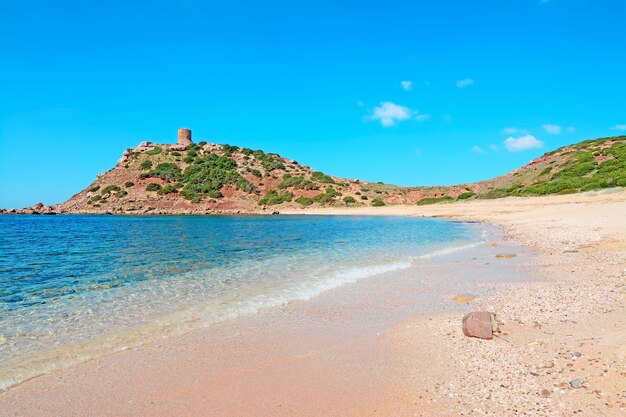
(184, 136)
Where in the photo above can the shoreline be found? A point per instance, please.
(402, 349)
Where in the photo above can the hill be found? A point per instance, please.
(202, 178)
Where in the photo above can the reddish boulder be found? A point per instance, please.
(481, 324)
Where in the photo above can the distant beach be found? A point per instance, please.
(391, 344)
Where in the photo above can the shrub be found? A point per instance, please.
(272, 197)
(153, 186)
(94, 188)
(146, 164)
(466, 195)
(167, 172)
(154, 151)
(109, 188)
(229, 149)
(321, 177)
(168, 189)
(121, 193)
(299, 183)
(304, 201)
(175, 153)
(208, 175)
(363, 197)
(128, 184)
(377, 202)
(349, 200)
(189, 159)
(434, 200)
(95, 198)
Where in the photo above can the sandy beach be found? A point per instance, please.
(392, 344)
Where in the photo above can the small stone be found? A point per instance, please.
(577, 383)
(545, 393)
(548, 365)
(577, 354)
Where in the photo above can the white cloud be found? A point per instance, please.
(571, 129)
(619, 127)
(552, 129)
(512, 131)
(477, 149)
(522, 143)
(406, 85)
(493, 147)
(390, 113)
(422, 117)
(464, 83)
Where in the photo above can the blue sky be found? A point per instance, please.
(405, 92)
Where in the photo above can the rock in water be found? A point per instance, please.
(481, 324)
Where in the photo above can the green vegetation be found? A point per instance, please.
(208, 175)
(155, 151)
(304, 201)
(299, 183)
(229, 150)
(377, 202)
(434, 200)
(128, 184)
(328, 196)
(95, 198)
(269, 161)
(153, 186)
(147, 164)
(363, 197)
(110, 188)
(272, 197)
(349, 200)
(466, 195)
(578, 171)
(94, 188)
(168, 189)
(167, 171)
(321, 177)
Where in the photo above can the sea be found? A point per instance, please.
(77, 287)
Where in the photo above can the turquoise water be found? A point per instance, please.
(76, 287)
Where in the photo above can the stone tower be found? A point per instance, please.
(184, 136)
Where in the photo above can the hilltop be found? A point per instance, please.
(206, 178)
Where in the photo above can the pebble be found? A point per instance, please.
(577, 383)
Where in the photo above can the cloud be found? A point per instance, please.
(406, 85)
(571, 129)
(552, 129)
(389, 113)
(512, 131)
(619, 127)
(422, 117)
(477, 149)
(522, 143)
(464, 83)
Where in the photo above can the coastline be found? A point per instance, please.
(393, 355)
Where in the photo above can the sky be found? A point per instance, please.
(404, 92)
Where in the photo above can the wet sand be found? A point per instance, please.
(391, 344)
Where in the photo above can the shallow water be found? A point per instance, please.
(76, 287)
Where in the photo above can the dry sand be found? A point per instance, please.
(376, 347)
